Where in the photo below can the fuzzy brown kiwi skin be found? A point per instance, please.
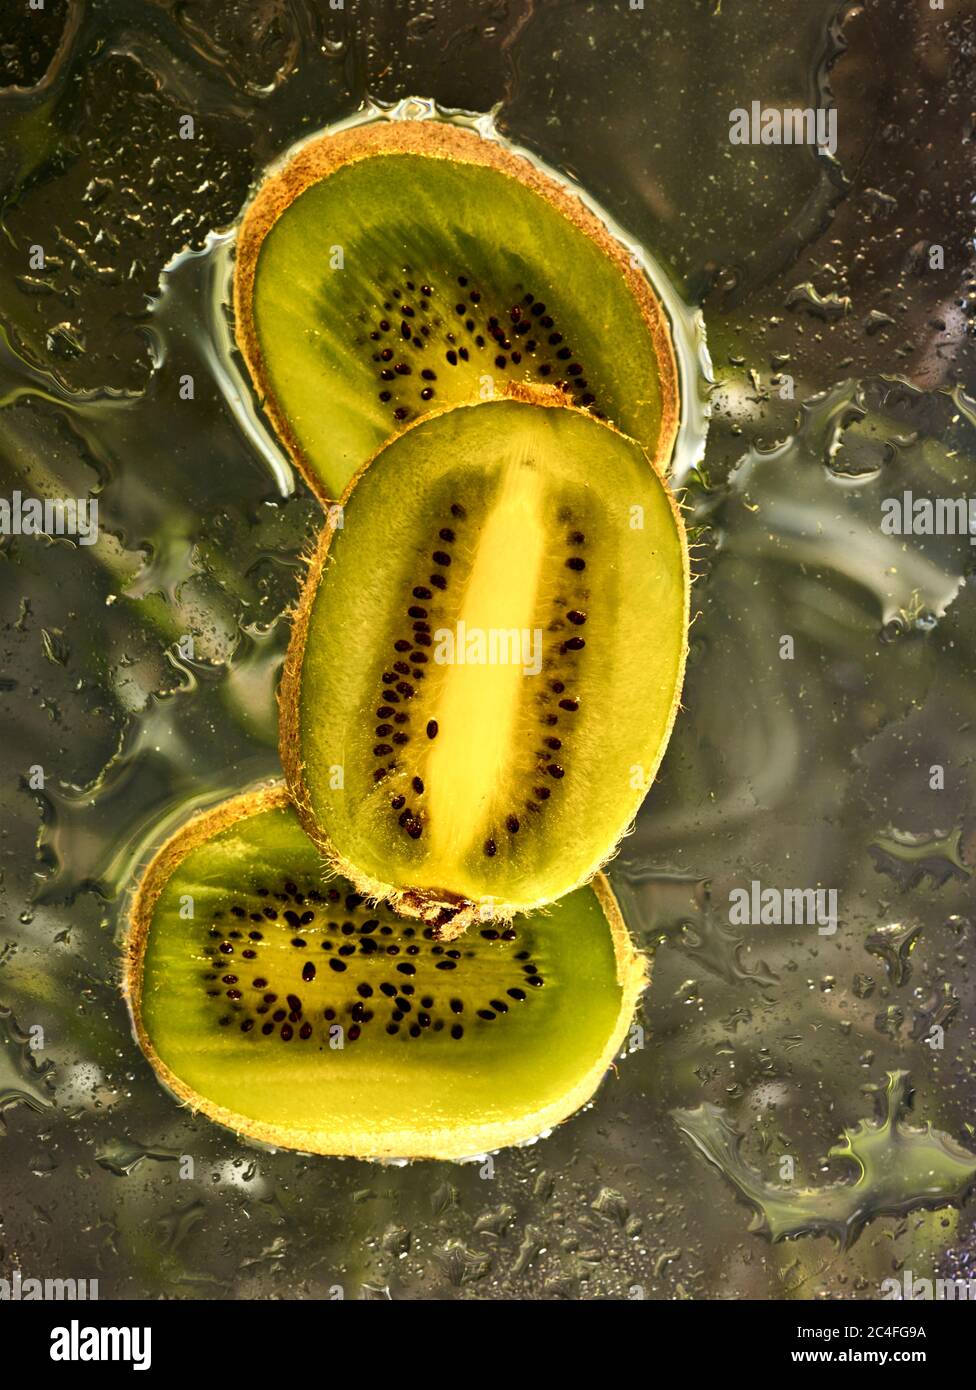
(446, 911)
(323, 156)
(633, 977)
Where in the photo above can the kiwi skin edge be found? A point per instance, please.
(442, 909)
(437, 140)
(633, 975)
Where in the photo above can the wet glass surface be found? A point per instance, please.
(831, 669)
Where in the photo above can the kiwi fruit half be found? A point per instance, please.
(291, 1011)
(388, 269)
(486, 660)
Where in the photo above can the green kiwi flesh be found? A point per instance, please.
(293, 1012)
(486, 661)
(394, 268)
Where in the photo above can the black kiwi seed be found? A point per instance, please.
(432, 728)
(491, 848)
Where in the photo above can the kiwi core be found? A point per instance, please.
(478, 705)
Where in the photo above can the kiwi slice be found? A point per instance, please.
(486, 660)
(389, 269)
(296, 1014)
